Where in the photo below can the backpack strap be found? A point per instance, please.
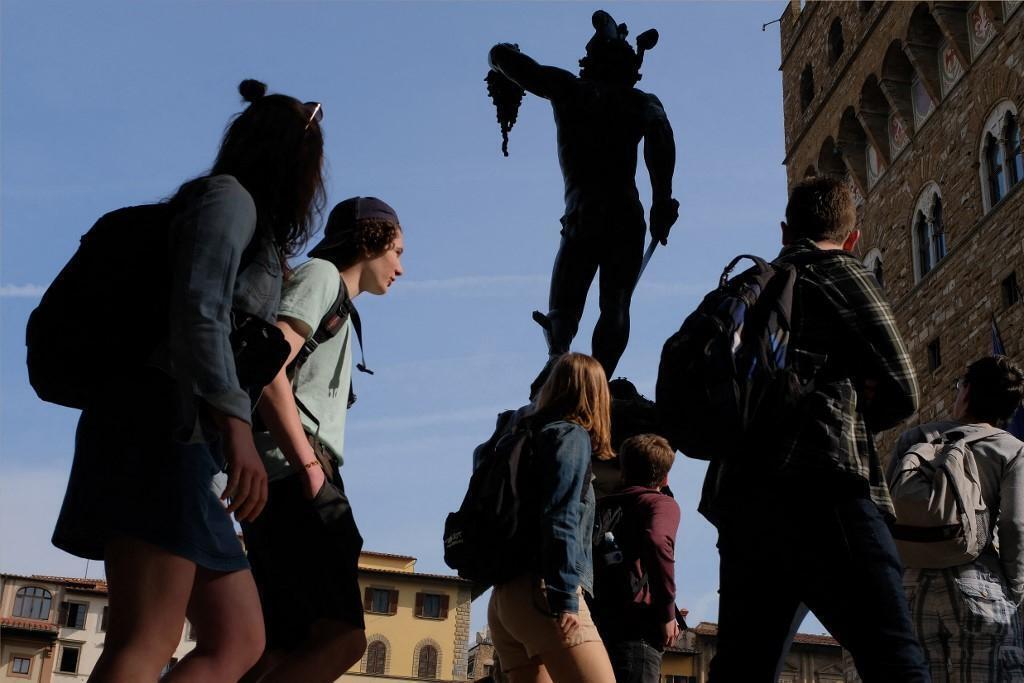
(330, 325)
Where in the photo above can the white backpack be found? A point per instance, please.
(941, 517)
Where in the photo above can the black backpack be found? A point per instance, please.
(725, 382)
(106, 311)
(616, 583)
(489, 539)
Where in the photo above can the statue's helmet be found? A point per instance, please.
(610, 57)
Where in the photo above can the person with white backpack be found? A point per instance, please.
(958, 489)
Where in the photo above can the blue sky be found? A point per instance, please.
(106, 104)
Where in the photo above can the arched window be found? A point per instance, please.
(830, 161)
(1014, 159)
(376, 657)
(873, 262)
(929, 231)
(835, 41)
(426, 662)
(32, 603)
(806, 87)
(923, 42)
(1002, 165)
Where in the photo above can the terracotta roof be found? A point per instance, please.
(28, 625)
(72, 583)
(416, 575)
(706, 628)
(376, 554)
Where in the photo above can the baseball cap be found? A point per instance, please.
(346, 214)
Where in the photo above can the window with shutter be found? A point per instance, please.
(430, 605)
(105, 617)
(74, 614)
(380, 601)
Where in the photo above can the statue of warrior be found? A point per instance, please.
(600, 119)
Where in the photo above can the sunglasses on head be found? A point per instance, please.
(316, 113)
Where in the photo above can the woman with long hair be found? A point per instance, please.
(159, 470)
(540, 624)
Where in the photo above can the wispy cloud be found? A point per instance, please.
(400, 422)
(513, 285)
(478, 285)
(21, 291)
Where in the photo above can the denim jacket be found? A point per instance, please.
(566, 497)
(210, 233)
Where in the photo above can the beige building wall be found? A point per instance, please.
(402, 629)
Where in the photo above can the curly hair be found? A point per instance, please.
(361, 240)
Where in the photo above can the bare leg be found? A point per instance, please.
(225, 610)
(149, 593)
(333, 648)
(584, 663)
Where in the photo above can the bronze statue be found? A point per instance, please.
(600, 119)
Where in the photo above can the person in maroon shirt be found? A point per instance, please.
(634, 570)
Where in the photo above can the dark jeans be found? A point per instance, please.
(830, 551)
(634, 661)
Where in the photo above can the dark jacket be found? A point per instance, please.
(647, 537)
(864, 381)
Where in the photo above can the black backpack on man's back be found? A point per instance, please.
(726, 381)
(106, 312)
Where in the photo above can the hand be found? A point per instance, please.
(671, 631)
(313, 481)
(664, 213)
(247, 476)
(569, 623)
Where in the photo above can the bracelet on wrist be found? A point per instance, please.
(313, 463)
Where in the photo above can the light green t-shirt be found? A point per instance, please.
(322, 383)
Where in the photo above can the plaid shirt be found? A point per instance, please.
(864, 379)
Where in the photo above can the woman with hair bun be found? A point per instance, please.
(540, 624)
(157, 474)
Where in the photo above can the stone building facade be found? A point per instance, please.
(919, 105)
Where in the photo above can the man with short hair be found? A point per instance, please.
(304, 547)
(966, 617)
(636, 614)
(803, 521)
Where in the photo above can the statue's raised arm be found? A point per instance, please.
(548, 82)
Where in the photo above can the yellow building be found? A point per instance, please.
(52, 628)
(417, 625)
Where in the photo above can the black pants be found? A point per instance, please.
(305, 557)
(634, 661)
(832, 553)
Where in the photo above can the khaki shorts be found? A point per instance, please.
(522, 627)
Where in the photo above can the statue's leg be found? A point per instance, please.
(571, 277)
(573, 272)
(619, 270)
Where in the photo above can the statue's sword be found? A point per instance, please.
(647, 259)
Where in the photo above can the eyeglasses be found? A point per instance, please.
(316, 113)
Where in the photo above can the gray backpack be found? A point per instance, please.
(941, 517)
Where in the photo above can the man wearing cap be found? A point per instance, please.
(600, 119)
(304, 547)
